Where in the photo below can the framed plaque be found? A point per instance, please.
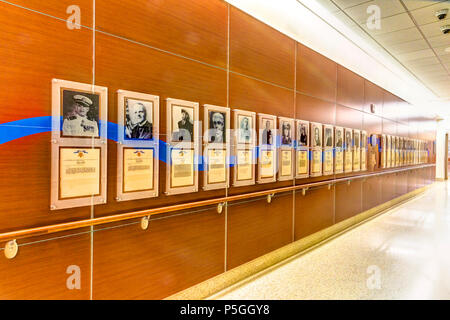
(363, 150)
(216, 153)
(356, 150)
(374, 157)
(383, 151)
(79, 148)
(302, 149)
(348, 150)
(339, 150)
(388, 151)
(183, 146)
(244, 147)
(267, 158)
(393, 152)
(137, 145)
(328, 142)
(316, 144)
(286, 153)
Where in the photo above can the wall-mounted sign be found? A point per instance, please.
(328, 142)
(267, 160)
(216, 146)
(316, 144)
(79, 136)
(302, 152)
(244, 124)
(286, 154)
(137, 145)
(348, 150)
(183, 147)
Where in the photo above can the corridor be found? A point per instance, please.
(401, 254)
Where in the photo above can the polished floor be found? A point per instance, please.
(401, 254)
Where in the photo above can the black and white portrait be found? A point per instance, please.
(80, 114)
(245, 129)
(286, 133)
(267, 133)
(357, 143)
(303, 135)
(339, 138)
(138, 120)
(317, 137)
(217, 127)
(328, 137)
(182, 124)
(348, 140)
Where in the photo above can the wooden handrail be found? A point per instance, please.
(38, 231)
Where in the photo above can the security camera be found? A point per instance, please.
(441, 14)
(445, 29)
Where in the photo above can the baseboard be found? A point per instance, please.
(227, 279)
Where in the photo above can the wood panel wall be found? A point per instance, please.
(205, 51)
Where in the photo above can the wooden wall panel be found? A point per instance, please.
(316, 74)
(195, 29)
(125, 65)
(350, 89)
(173, 254)
(256, 228)
(349, 118)
(316, 110)
(373, 95)
(372, 124)
(390, 106)
(39, 271)
(313, 212)
(401, 183)
(260, 51)
(371, 193)
(348, 201)
(389, 127)
(33, 56)
(388, 187)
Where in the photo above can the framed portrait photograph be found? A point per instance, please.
(138, 145)
(302, 152)
(267, 159)
(364, 150)
(267, 129)
(286, 153)
(216, 153)
(339, 150)
(183, 148)
(244, 125)
(328, 136)
(316, 149)
(328, 139)
(348, 150)
(79, 148)
(383, 151)
(316, 135)
(356, 150)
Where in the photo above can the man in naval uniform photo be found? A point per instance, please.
(76, 122)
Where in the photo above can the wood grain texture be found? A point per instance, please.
(173, 254)
(39, 271)
(195, 29)
(371, 193)
(350, 89)
(314, 211)
(348, 200)
(316, 74)
(256, 228)
(260, 51)
(314, 110)
(349, 118)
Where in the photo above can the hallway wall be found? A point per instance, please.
(205, 51)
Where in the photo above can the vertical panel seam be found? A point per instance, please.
(225, 262)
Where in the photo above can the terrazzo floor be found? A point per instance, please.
(401, 254)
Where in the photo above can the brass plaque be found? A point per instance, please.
(286, 163)
(244, 165)
(267, 165)
(316, 167)
(348, 163)
(328, 161)
(339, 161)
(302, 162)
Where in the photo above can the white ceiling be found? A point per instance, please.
(409, 31)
